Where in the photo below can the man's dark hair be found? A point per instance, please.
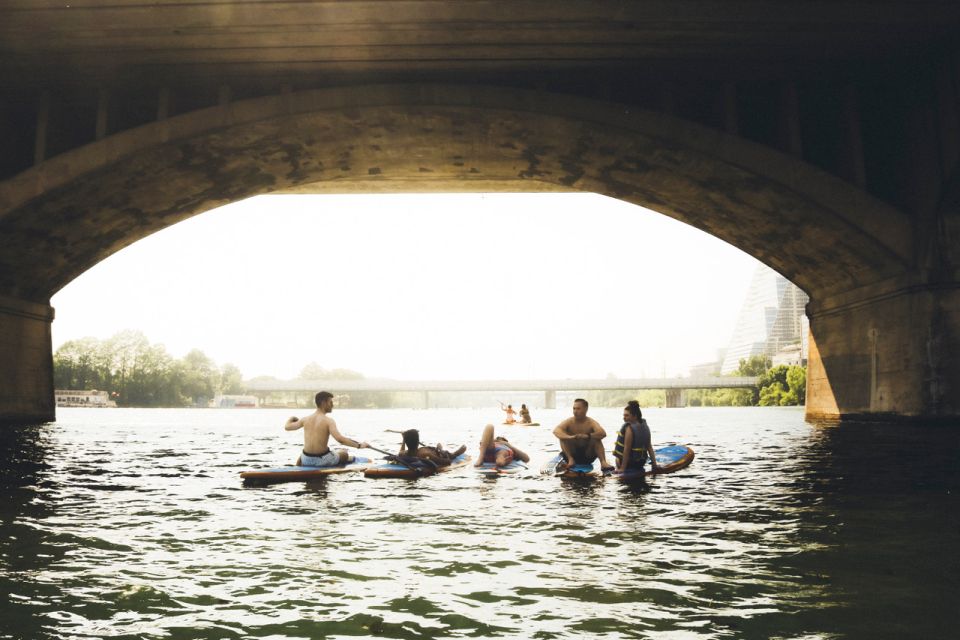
(321, 397)
(585, 403)
(411, 441)
(634, 408)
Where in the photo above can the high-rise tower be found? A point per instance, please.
(772, 318)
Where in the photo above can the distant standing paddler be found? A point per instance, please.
(317, 429)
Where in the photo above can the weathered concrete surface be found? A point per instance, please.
(855, 255)
(26, 374)
(888, 357)
(67, 214)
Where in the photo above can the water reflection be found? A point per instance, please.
(135, 523)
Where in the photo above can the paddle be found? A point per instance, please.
(393, 456)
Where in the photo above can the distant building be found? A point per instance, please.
(705, 370)
(76, 398)
(773, 318)
(790, 356)
(233, 402)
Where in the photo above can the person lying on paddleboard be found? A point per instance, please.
(510, 413)
(525, 414)
(497, 450)
(317, 429)
(634, 439)
(581, 438)
(437, 456)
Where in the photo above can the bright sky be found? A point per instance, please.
(439, 286)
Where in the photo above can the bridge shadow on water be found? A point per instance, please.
(879, 531)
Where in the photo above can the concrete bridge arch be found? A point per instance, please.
(852, 253)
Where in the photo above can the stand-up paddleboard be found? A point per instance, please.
(521, 424)
(300, 473)
(669, 459)
(491, 470)
(396, 470)
(550, 468)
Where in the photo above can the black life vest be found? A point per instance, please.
(638, 447)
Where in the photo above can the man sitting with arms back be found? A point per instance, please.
(317, 429)
(581, 438)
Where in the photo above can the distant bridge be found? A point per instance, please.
(673, 386)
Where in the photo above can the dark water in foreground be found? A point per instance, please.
(134, 524)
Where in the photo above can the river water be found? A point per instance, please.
(133, 523)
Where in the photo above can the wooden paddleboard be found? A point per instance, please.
(393, 470)
(301, 473)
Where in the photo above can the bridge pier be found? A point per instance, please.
(676, 398)
(549, 399)
(890, 357)
(26, 372)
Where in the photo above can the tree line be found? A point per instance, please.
(138, 374)
(780, 386)
(777, 386)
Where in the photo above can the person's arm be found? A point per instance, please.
(627, 444)
(561, 432)
(520, 455)
(342, 439)
(293, 423)
(597, 433)
(653, 456)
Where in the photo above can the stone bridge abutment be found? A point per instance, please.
(883, 322)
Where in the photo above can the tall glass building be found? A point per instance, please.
(772, 319)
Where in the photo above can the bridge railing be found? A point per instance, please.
(379, 385)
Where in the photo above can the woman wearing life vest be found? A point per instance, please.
(634, 439)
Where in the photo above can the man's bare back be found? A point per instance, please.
(316, 431)
(318, 427)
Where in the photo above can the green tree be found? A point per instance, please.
(199, 377)
(783, 386)
(82, 364)
(231, 380)
(313, 371)
(797, 381)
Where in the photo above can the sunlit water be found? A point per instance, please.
(134, 524)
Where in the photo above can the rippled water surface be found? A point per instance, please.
(134, 524)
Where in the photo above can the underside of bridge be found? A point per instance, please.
(822, 141)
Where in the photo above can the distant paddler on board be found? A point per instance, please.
(511, 414)
(524, 415)
(317, 429)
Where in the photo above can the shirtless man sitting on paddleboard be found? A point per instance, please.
(581, 438)
(317, 429)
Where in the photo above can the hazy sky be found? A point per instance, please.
(454, 286)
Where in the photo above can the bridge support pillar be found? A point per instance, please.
(426, 399)
(549, 399)
(895, 356)
(676, 398)
(26, 363)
